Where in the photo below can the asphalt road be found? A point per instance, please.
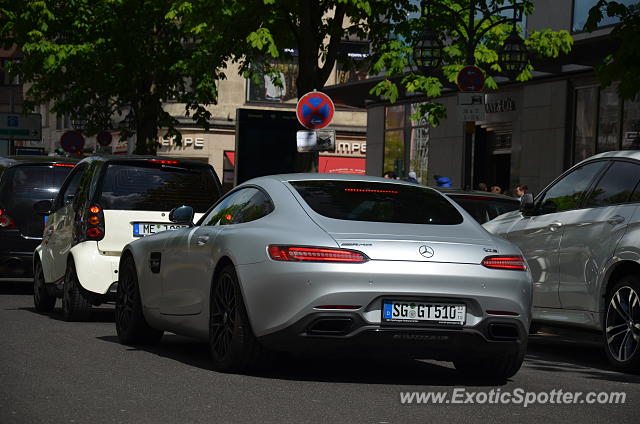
(52, 371)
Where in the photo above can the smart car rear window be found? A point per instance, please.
(377, 202)
(33, 182)
(155, 187)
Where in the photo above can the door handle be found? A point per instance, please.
(615, 220)
(555, 226)
(202, 240)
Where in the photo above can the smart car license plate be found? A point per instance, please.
(141, 229)
(437, 313)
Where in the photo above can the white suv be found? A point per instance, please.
(105, 203)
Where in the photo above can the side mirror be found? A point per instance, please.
(43, 207)
(182, 215)
(527, 207)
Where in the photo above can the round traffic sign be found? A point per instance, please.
(72, 142)
(104, 138)
(315, 110)
(470, 78)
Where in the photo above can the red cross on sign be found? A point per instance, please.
(315, 110)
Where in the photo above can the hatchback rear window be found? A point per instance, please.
(34, 182)
(158, 187)
(377, 202)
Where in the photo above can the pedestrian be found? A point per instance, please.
(442, 181)
(412, 177)
(483, 187)
(390, 175)
(520, 190)
(496, 189)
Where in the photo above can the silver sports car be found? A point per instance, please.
(318, 263)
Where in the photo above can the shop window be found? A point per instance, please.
(406, 141)
(279, 90)
(581, 14)
(354, 63)
(604, 122)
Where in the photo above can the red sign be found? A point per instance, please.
(315, 110)
(72, 142)
(104, 138)
(342, 165)
(470, 78)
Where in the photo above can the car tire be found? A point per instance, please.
(621, 326)
(42, 300)
(499, 367)
(75, 306)
(131, 326)
(233, 346)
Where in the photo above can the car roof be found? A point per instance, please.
(475, 193)
(332, 176)
(626, 154)
(34, 159)
(132, 158)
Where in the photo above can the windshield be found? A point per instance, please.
(377, 202)
(158, 188)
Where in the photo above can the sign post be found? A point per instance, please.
(470, 81)
(315, 111)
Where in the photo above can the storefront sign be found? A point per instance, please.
(196, 142)
(502, 107)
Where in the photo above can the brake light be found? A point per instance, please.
(6, 222)
(95, 221)
(66, 165)
(94, 232)
(515, 263)
(370, 190)
(163, 162)
(315, 254)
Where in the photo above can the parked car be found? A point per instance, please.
(23, 182)
(105, 203)
(483, 206)
(581, 239)
(325, 264)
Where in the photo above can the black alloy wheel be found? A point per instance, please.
(622, 324)
(42, 300)
(75, 306)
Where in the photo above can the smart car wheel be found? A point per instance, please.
(499, 367)
(42, 300)
(75, 307)
(131, 326)
(622, 324)
(233, 345)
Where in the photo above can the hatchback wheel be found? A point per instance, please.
(75, 306)
(234, 347)
(622, 324)
(131, 326)
(42, 300)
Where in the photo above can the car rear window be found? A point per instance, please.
(34, 181)
(377, 202)
(152, 187)
(484, 209)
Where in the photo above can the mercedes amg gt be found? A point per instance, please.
(314, 263)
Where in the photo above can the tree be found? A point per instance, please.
(96, 59)
(624, 64)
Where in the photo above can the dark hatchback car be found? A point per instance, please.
(481, 205)
(23, 182)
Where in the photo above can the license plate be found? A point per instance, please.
(141, 229)
(437, 313)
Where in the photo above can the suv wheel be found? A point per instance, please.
(234, 347)
(75, 307)
(499, 367)
(622, 324)
(131, 326)
(42, 300)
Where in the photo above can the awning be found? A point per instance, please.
(342, 165)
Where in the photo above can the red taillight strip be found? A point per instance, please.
(515, 263)
(163, 162)
(370, 190)
(67, 165)
(314, 254)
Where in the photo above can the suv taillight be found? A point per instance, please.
(515, 263)
(315, 254)
(95, 223)
(6, 222)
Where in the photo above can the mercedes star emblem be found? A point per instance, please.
(426, 251)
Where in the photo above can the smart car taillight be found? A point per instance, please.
(6, 222)
(315, 254)
(515, 263)
(95, 223)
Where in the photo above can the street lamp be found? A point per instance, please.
(427, 52)
(513, 57)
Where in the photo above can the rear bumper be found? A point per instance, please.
(96, 271)
(348, 334)
(16, 254)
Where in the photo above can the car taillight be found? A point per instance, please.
(6, 222)
(66, 165)
(515, 263)
(95, 223)
(163, 161)
(315, 254)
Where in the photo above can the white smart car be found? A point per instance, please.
(105, 203)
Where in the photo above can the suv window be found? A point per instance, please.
(377, 202)
(616, 185)
(567, 193)
(244, 205)
(155, 187)
(484, 208)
